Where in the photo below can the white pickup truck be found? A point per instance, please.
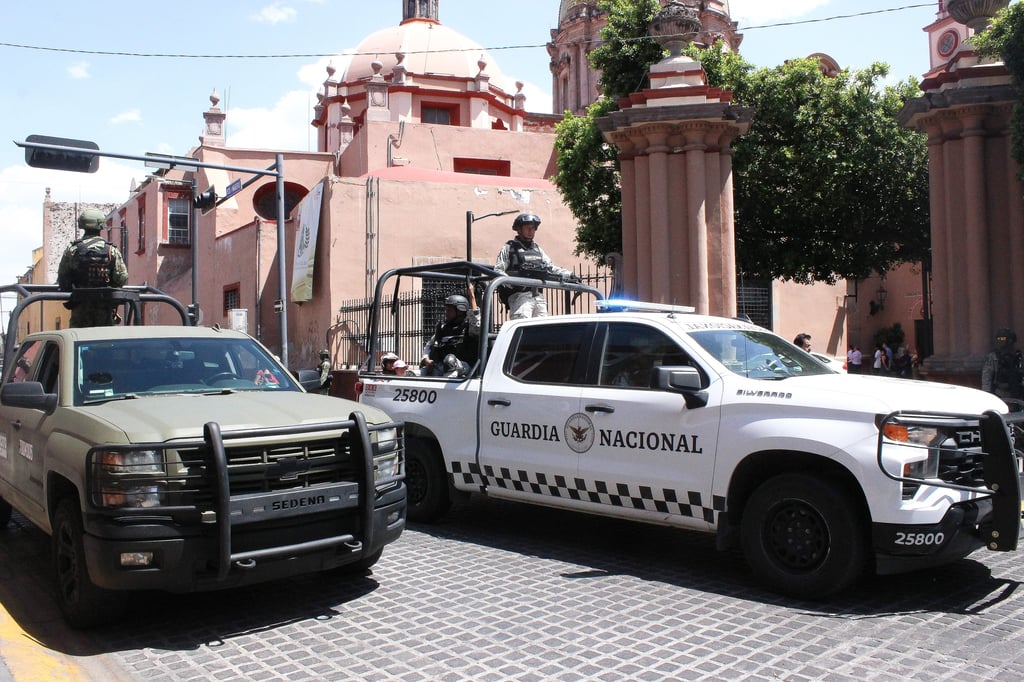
(656, 414)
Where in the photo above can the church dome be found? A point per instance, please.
(430, 48)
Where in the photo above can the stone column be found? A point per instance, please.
(976, 227)
(729, 283)
(976, 222)
(696, 195)
(642, 208)
(679, 240)
(627, 175)
(658, 200)
(713, 211)
(940, 248)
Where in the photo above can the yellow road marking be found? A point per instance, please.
(28, 660)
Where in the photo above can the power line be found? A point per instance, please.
(839, 16)
(311, 55)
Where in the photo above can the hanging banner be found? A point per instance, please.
(308, 213)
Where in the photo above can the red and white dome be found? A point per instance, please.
(430, 48)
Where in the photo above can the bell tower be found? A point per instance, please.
(945, 36)
(420, 9)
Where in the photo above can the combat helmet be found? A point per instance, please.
(461, 303)
(91, 220)
(525, 219)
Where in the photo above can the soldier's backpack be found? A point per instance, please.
(91, 265)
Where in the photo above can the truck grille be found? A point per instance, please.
(257, 469)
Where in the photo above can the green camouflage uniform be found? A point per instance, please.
(90, 313)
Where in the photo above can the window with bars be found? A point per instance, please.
(231, 298)
(754, 299)
(179, 210)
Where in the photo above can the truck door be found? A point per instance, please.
(24, 445)
(527, 444)
(652, 453)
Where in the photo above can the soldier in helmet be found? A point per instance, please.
(454, 347)
(325, 371)
(523, 257)
(91, 262)
(1002, 372)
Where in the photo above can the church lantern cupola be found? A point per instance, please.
(420, 9)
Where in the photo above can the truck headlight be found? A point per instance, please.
(388, 467)
(927, 467)
(925, 441)
(128, 478)
(385, 439)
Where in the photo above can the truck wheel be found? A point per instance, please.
(5, 513)
(803, 536)
(426, 481)
(83, 603)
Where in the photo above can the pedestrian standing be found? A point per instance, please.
(855, 365)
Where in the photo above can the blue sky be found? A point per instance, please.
(138, 104)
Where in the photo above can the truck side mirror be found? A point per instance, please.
(28, 394)
(685, 380)
(309, 379)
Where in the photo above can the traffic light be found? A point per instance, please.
(61, 159)
(205, 200)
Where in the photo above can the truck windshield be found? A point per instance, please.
(758, 354)
(117, 369)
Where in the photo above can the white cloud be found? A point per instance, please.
(275, 13)
(538, 99)
(23, 190)
(750, 11)
(130, 116)
(79, 70)
(314, 74)
(285, 126)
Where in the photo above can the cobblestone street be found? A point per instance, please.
(506, 592)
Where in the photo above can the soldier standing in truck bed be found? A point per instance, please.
(91, 262)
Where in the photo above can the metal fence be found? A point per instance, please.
(408, 321)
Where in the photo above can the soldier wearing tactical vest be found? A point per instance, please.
(91, 262)
(523, 257)
(1003, 371)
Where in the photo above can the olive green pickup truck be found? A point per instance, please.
(186, 458)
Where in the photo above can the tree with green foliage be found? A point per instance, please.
(1004, 39)
(828, 185)
(588, 167)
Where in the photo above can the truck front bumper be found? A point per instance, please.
(186, 559)
(900, 548)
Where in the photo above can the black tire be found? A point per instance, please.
(82, 603)
(426, 481)
(804, 536)
(5, 512)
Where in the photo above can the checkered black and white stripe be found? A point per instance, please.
(665, 500)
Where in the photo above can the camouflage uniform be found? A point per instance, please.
(325, 371)
(91, 313)
(1003, 371)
